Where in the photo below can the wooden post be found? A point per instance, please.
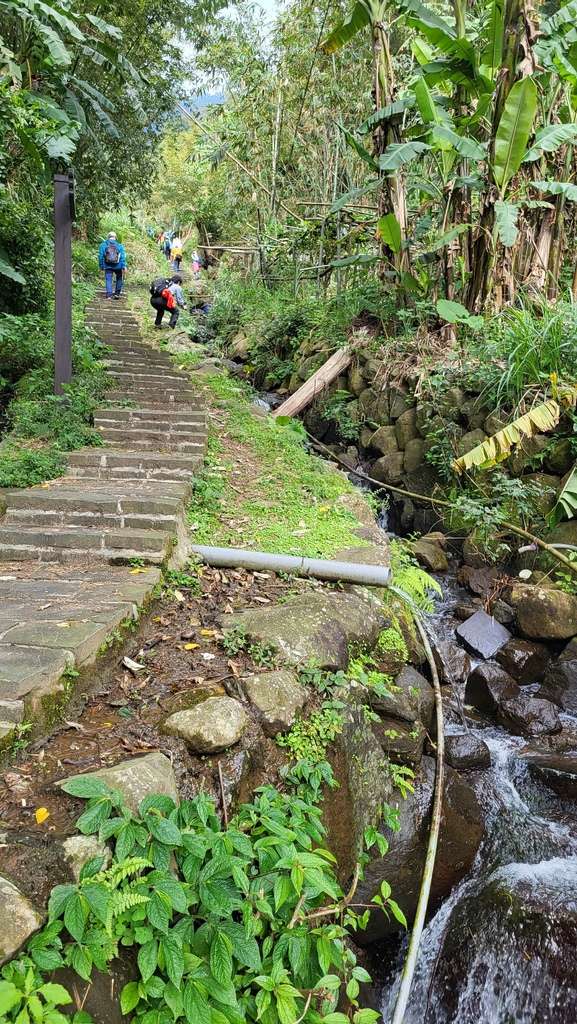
(62, 282)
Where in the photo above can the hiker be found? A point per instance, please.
(176, 253)
(167, 244)
(195, 265)
(166, 294)
(112, 260)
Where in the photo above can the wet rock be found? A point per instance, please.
(414, 454)
(365, 437)
(544, 490)
(529, 716)
(20, 920)
(211, 726)
(277, 696)
(422, 480)
(385, 440)
(503, 613)
(412, 699)
(375, 406)
(488, 686)
(493, 424)
(545, 613)
(482, 635)
(80, 849)
(523, 660)
(467, 751)
(508, 951)
(465, 609)
(405, 428)
(401, 742)
(461, 833)
(453, 663)
(476, 412)
(561, 457)
(139, 777)
(430, 553)
(373, 534)
(557, 771)
(474, 550)
(316, 627)
(560, 682)
(389, 469)
(478, 580)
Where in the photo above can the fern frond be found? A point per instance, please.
(417, 585)
(116, 874)
(122, 901)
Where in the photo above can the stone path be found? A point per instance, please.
(66, 578)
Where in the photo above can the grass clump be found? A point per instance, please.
(261, 488)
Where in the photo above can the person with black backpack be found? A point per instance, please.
(112, 260)
(166, 293)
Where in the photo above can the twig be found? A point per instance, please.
(224, 811)
(305, 1011)
(327, 911)
(294, 918)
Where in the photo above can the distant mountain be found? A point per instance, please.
(207, 99)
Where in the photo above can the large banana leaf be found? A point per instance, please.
(566, 502)
(389, 229)
(359, 150)
(399, 153)
(557, 188)
(386, 113)
(506, 215)
(464, 146)
(460, 72)
(493, 54)
(498, 447)
(357, 19)
(514, 129)
(549, 139)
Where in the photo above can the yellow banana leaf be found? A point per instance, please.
(498, 447)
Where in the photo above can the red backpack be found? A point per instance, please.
(171, 302)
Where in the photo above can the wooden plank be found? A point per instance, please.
(317, 383)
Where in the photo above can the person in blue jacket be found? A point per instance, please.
(112, 260)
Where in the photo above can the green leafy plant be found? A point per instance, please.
(25, 998)
(409, 578)
(309, 738)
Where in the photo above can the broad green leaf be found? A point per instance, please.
(429, 112)
(164, 830)
(7, 270)
(244, 948)
(58, 899)
(496, 448)
(283, 890)
(448, 237)
(86, 786)
(75, 916)
(359, 150)
(175, 892)
(557, 188)
(46, 959)
(81, 961)
(434, 28)
(148, 959)
(391, 111)
(10, 995)
(514, 130)
(400, 153)
(91, 868)
(56, 994)
(174, 999)
(129, 997)
(157, 801)
(173, 958)
(465, 147)
(196, 1005)
(566, 506)
(452, 312)
(357, 20)
(493, 54)
(158, 912)
(389, 230)
(366, 1016)
(506, 215)
(548, 139)
(93, 817)
(221, 958)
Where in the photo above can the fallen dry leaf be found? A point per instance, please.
(209, 657)
(133, 572)
(178, 596)
(207, 632)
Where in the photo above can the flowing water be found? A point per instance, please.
(503, 948)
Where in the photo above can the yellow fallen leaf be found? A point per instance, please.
(45, 485)
(207, 632)
(191, 647)
(324, 509)
(133, 572)
(178, 595)
(41, 815)
(109, 724)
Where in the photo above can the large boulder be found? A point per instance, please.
(410, 699)
(482, 635)
(465, 751)
(429, 551)
(139, 777)
(414, 454)
(560, 682)
(545, 613)
(560, 457)
(385, 440)
(523, 660)
(20, 920)
(508, 951)
(401, 742)
(211, 726)
(524, 453)
(315, 627)
(389, 469)
(453, 663)
(558, 771)
(78, 850)
(405, 428)
(461, 833)
(529, 716)
(277, 696)
(543, 489)
(488, 686)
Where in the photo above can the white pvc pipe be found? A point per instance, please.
(345, 572)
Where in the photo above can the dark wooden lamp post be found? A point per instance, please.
(64, 214)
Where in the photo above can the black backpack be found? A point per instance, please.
(112, 252)
(157, 287)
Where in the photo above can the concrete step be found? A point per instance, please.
(19, 543)
(150, 379)
(129, 466)
(122, 434)
(151, 395)
(72, 507)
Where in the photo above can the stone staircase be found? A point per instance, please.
(126, 500)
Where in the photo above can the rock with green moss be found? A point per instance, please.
(524, 453)
(78, 850)
(545, 613)
(389, 469)
(385, 440)
(405, 428)
(430, 553)
(20, 920)
(277, 696)
(469, 441)
(414, 454)
(561, 457)
(213, 725)
(357, 382)
(542, 490)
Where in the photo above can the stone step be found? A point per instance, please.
(150, 379)
(19, 543)
(68, 507)
(126, 467)
(131, 362)
(151, 395)
(130, 434)
(157, 419)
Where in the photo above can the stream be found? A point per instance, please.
(502, 949)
